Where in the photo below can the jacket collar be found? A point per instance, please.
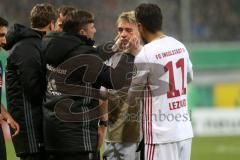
(85, 40)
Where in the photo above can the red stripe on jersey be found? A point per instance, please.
(148, 128)
(149, 117)
(150, 151)
(145, 117)
(150, 114)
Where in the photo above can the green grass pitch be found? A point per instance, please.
(216, 148)
(203, 148)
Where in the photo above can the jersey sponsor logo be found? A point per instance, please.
(57, 69)
(169, 53)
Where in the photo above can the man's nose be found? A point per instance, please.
(3, 41)
(123, 33)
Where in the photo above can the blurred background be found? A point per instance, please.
(211, 32)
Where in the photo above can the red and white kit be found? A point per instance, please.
(163, 69)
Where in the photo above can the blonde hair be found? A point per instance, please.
(128, 17)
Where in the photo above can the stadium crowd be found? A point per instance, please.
(210, 20)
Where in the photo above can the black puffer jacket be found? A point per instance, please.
(25, 83)
(72, 63)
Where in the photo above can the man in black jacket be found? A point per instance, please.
(26, 80)
(75, 73)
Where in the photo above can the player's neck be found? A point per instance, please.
(153, 36)
(43, 29)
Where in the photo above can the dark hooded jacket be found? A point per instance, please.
(25, 84)
(75, 73)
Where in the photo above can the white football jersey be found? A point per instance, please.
(163, 70)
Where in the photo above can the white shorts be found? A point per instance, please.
(121, 151)
(169, 151)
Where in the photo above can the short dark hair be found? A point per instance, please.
(42, 15)
(3, 22)
(150, 16)
(64, 10)
(76, 20)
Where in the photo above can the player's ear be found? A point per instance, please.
(140, 27)
(82, 32)
(52, 26)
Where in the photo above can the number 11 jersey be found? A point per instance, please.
(163, 69)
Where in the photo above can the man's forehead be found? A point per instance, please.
(3, 29)
(90, 24)
(125, 24)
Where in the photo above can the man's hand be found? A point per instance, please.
(101, 136)
(14, 125)
(1, 118)
(104, 117)
(8, 118)
(133, 46)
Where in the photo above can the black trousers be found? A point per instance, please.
(141, 149)
(3, 155)
(77, 156)
(36, 156)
